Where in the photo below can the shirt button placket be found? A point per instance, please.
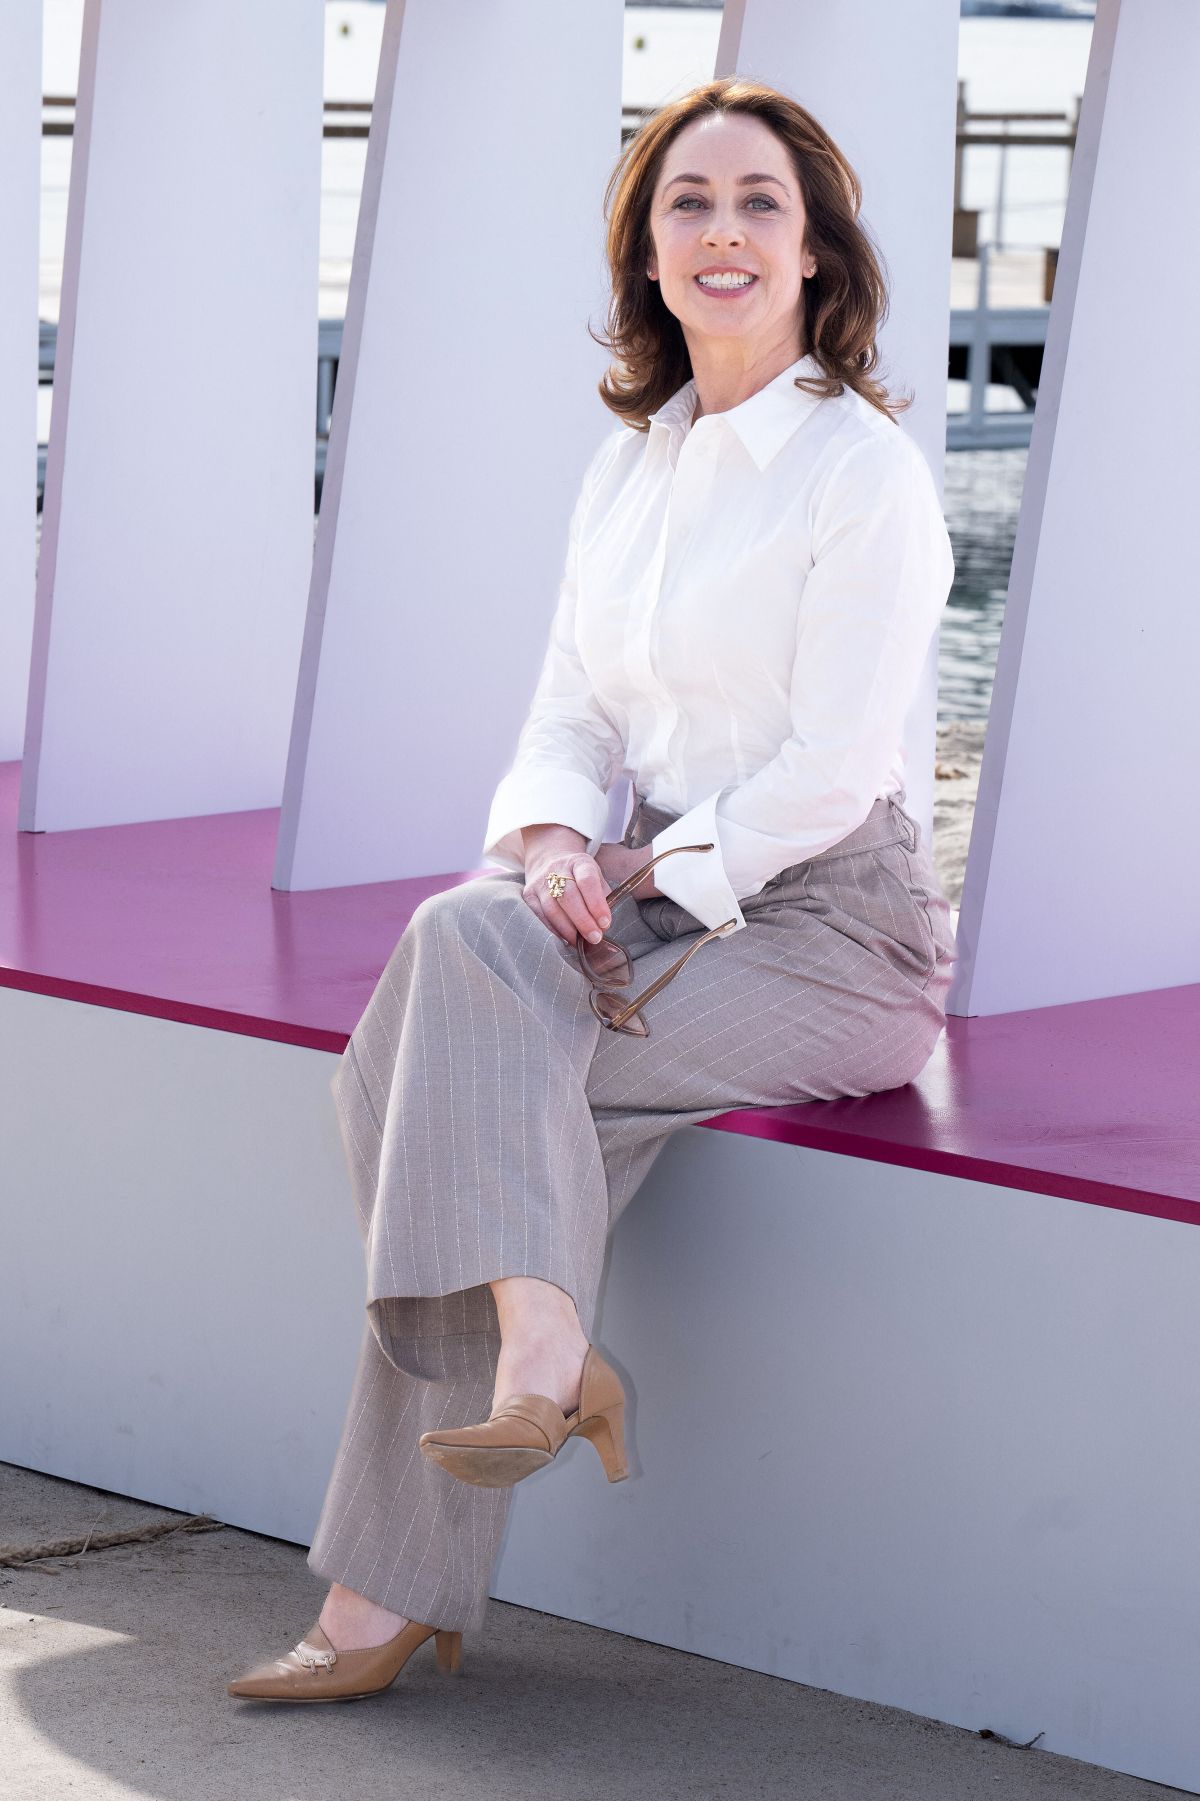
(682, 501)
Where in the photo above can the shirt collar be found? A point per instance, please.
(764, 422)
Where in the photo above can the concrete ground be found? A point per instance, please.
(114, 1661)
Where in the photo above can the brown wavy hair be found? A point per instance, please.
(842, 305)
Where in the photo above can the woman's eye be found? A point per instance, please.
(765, 198)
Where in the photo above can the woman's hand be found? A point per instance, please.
(583, 908)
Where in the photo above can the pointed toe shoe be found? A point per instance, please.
(314, 1671)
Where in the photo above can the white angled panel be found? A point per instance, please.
(465, 413)
(1084, 869)
(179, 487)
(881, 78)
(20, 158)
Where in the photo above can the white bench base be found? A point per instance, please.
(914, 1439)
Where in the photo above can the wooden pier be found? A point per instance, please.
(999, 295)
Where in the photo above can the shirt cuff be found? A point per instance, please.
(537, 797)
(697, 879)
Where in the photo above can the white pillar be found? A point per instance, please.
(177, 537)
(465, 412)
(20, 166)
(1084, 867)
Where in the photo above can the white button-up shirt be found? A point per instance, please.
(741, 627)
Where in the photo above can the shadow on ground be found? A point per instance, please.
(114, 1663)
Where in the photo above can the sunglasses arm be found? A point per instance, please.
(654, 988)
(631, 881)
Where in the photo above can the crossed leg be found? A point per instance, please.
(481, 1007)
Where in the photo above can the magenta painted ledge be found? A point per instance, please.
(1098, 1101)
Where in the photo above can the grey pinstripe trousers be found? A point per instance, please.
(493, 1128)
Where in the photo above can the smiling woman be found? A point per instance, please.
(799, 275)
(755, 565)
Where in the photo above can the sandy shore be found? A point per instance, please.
(959, 754)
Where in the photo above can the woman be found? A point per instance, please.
(757, 562)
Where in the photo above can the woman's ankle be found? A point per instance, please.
(533, 1311)
(541, 1367)
(359, 1623)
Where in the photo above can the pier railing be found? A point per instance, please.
(998, 133)
(333, 124)
(979, 334)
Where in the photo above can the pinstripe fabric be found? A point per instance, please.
(492, 1127)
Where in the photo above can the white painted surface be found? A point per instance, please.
(917, 1440)
(1084, 862)
(466, 411)
(183, 1276)
(20, 166)
(867, 70)
(169, 610)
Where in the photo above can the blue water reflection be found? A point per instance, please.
(982, 499)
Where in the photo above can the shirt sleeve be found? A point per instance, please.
(569, 749)
(881, 574)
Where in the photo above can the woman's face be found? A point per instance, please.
(708, 214)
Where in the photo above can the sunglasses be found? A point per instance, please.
(609, 967)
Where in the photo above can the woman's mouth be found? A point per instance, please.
(725, 286)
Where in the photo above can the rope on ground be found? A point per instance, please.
(102, 1541)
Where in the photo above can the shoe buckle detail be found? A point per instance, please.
(315, 1660)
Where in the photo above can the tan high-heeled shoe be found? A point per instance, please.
(524, 1432)
(314, 1671)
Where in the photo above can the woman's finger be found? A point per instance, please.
(582, 907)
(577, 910)
(584, 899)
(593, 891)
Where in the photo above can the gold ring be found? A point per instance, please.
(556, 882)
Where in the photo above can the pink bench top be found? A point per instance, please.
(1096, 1101)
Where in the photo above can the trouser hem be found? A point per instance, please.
(414, 1599)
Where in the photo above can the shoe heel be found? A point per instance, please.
(449, 1651)
(606, 1430)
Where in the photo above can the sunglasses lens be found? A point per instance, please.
(606, 961)
(607, 1006)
